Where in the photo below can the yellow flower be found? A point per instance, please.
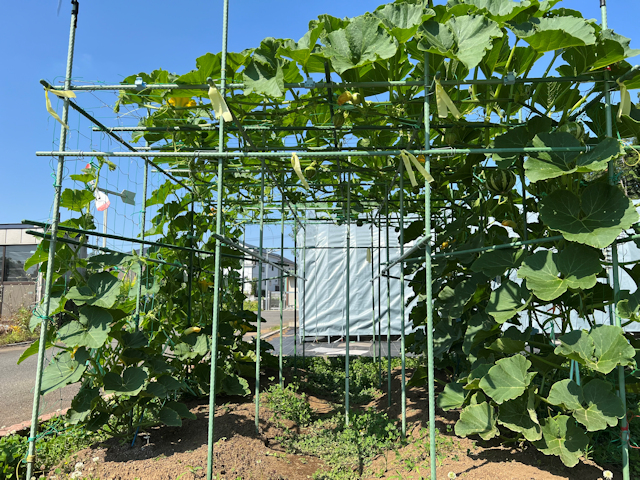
(181, 102)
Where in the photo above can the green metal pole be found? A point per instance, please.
(373, 298)
(295, 300)
(386, 211)
(346, 377)
(217, 269)
(52, 250)
(624, 426)
(259, 325)
(304, 287)
(427, 266)
(143, 223)
(190, 278)
(280, 364)
(403, 388)
(379, 299)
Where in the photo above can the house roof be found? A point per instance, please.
(274, 257)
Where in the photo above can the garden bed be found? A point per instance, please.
(181, 452)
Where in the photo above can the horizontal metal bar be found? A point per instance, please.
(70, 241)
(119, 237)
(353, 128)
(390, 83)
(354, 153)
(418, 245)
(251, 253)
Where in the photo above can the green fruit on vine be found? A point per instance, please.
(500, 182)
(359, 223)
(574, 128)
(356, 98)
(310, 171)
(451, 136)
(338, 120)
(416, 190)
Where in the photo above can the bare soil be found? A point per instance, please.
(240, 453)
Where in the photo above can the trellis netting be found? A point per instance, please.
(322, 298)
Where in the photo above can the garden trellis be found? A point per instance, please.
(475, 179)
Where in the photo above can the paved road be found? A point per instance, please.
(16, 394)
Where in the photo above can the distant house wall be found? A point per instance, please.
(17, 287)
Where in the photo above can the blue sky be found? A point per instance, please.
(117, 38)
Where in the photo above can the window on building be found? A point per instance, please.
(277, 288)
(12, 266)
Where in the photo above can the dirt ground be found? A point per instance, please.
(240, 453)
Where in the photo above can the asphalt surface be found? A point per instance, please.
(16, 394)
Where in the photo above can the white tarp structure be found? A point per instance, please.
(323, 297)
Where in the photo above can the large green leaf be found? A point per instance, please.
(102, 290)
(498, 10)
(64, 369)
(520, 416)
(603, 349)
(168, 416)
(566, 393)
(611, 48)
(361, 42)
(91, 331)
(595, 219)
(76, 200)
(550, 274)
(562, 437)
(453, 396)
(130, 383)
(266, 73)
(82, 404)
(507, 300)
(477, 419)
(595, 405)
(466, 38)
(602, 407)
(542, 166)
(553, 33)
(302, 52)
(495, 263)
(403, 19)
(507, 379)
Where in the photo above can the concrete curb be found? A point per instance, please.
(4, 431)
(29, 342)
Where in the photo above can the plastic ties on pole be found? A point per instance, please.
(409, 159)
(220, 107)
(295, 163)
(444, 103)
(59, 93)
(625, 100)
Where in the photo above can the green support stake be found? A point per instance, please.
(386, 211)
(143, 223)
(190, 278)
(624, 426)
(403, 388)
(427, 266)
(379, 299)
(218, 245)
(346, 371)
(373, 298)
(31, 453)
(304, 287)
(295, 299)
(259, 325)
(280, 364)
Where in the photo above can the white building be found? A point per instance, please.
(271, 279)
